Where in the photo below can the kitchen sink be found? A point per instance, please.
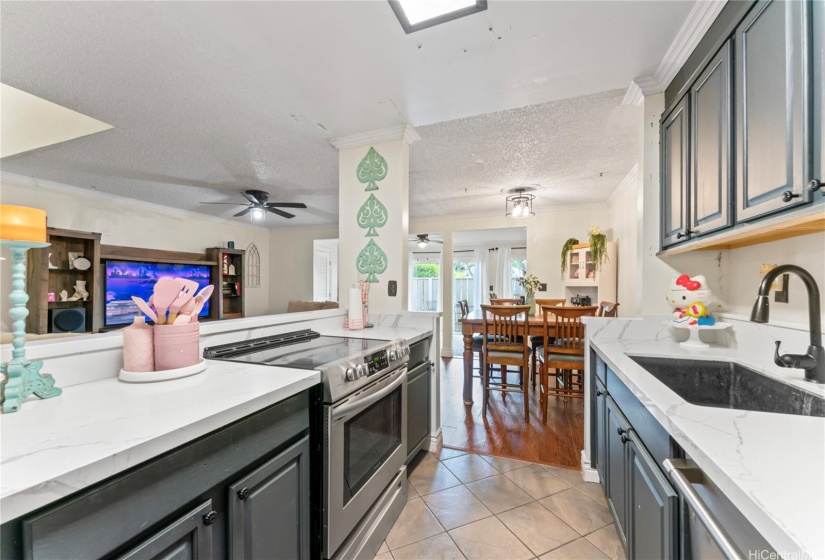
(730, 385)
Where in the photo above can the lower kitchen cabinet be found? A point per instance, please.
(616, 428)
(652, 506)
(242, 491)
(269, 508)
(186, 538)
(599, 432)
(418, 408)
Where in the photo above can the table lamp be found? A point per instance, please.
(22, 229)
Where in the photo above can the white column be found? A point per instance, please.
(392, 192)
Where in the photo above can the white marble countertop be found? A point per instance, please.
(412, 327)
(55, 447)
(771, 466)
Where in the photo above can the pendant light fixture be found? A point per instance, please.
(519, 202)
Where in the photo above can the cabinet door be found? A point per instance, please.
(818, 17)
(269, 508)
(574, 264)
(710, 137)
(601, 431)
(772, 107)
(616, 437)
(674, 173)
(418, 406)
(187, 538)
(651, 506)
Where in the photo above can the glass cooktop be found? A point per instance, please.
(303, 353)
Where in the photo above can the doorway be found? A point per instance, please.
(425, 271)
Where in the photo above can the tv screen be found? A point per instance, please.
(125, 279)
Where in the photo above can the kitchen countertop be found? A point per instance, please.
(55, 447)
(769, 465)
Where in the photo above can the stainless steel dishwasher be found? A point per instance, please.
(419, 394)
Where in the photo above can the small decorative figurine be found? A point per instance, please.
(51, 297)
(64, 295)
(231, 270)
(79, 292)
(690, 298)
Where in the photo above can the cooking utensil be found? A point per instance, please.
(182, 318)
(199, 301)
(188, 288)
(206, 292)
(166, 291)
(143, 306)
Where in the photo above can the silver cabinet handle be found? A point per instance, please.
(676, 469)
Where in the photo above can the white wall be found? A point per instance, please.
(133, 224)
(625, 211)
(290, 264)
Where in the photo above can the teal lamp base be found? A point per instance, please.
(22, 377)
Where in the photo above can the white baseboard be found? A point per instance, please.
(589, 474)
(436, 441)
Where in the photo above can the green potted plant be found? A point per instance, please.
(566, 248)
(530, 283)
(598, 247)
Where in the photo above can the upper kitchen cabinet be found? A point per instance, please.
(711, 166)
(773, 108)
(675, 174)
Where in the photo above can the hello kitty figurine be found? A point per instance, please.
(690, 298)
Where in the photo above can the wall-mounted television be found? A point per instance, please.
(124, 279)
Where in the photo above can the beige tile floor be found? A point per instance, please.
(462, 505)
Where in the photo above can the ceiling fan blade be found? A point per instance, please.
(250, 198)
(280, 212)
(243, 212)
(436, 241)
(285, 205)
(232, 203)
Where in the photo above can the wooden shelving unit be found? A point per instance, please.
(228, 297)
(40, 280)
(582, 278)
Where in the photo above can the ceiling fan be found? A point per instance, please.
(423, 239)
(259, 206)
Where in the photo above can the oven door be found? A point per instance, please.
(366, 439)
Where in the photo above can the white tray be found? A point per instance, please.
(166, 375)
(693, 341)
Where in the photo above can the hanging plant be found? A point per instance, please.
(568, 245)
(598, 247)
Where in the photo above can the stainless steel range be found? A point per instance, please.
(365, 426)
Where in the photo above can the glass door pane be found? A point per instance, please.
(573, 264)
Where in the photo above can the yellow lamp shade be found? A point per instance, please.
(19, 223)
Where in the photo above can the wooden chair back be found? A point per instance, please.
(608, 309)
(505, 301)
(551, 302)
(464, 306)
(569, 330)
(505, 328)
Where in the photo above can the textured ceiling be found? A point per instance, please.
(209, 98)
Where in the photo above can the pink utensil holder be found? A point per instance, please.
(176, 346)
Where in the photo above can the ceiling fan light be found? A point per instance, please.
(258, 213)
(422, 243)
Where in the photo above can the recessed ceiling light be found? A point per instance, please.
(415, 15)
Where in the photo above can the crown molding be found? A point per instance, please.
(697, 23)
(400, 132)
(631, 178)
(56, 186)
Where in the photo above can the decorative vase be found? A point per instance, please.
(531, 301)
(176, 346)
(138, 346)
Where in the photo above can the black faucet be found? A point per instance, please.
(814, 361)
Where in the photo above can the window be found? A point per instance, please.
(518, 269)
(253, 267)
(464, 278)
(415, 15)
(425, 282)
(325, 270)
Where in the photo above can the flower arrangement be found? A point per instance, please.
(530, 283)
(598, 246)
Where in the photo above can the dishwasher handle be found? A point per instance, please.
(678, 471)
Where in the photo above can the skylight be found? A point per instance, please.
(415, 15)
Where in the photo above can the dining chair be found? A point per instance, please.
(504, 345)
(537, 340)
(505, 301)
(565, 355)
(608, 309)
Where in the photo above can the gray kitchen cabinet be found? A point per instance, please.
(186, 538)
(674, 172)
(600, 447)
(269, 508)
(711, 166)
(773, 106)
(616, 436)
(818, 26)
(652, 506)
(418, 408)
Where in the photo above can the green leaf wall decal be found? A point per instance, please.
(371, 261)
(372, 215)
(371, 169)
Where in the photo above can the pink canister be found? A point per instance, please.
(176, 346)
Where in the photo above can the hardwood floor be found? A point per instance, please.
(503, 432)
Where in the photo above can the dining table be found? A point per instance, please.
(472, 324)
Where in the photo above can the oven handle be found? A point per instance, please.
(370, 400)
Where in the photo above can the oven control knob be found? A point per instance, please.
(393, 355)
(360, 370)
(351, 374)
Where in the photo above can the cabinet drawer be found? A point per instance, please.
(654, 436)
(101, 520)
(187, 538)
